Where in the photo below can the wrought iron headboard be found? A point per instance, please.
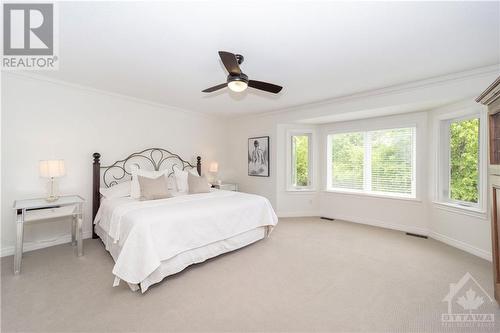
(152, 158)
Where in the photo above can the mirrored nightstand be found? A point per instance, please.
(39, 209)
(226, 186)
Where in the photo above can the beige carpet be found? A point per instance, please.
(311, 275)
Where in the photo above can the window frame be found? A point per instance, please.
(289, 160)
(443, 161)
(366, 191)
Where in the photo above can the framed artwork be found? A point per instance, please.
(258, 156)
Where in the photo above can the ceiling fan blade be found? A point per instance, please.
(269, 87)
(230, 62)
(214, 88)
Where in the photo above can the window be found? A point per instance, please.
(300, 161)
(392, 161)
(348, 160)
(377, 162)
(461, 161)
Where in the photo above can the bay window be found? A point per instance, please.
(299, 160)
(373, 162)
(461, 161)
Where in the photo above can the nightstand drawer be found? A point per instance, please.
(227, 187)
(49, 213)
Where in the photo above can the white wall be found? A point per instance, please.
(396, 99)
(44, 119)
(273, 187)
(416, 216)
(289, 202)
(408, 215)
(466, 230)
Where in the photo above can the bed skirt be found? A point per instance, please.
(182, 260)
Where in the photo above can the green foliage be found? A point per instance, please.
(392, 159)
(464, 160)
(301, 159)
(347, 158)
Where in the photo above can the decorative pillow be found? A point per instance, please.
(153, 188)
(181, 178)
(135, 190)
(197, 184)
(119, 190)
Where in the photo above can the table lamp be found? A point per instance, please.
(214, 168)
(52, 169)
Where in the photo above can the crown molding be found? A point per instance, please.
(491, 94)
(386, 91)
(390, 90)
(38, 77)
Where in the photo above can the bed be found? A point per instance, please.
(152, 239)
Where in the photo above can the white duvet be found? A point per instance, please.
(150, 232)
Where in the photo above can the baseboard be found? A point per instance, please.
(420, 231)
(9, 250)
(31, 246)
(462, 246)
(297, 214)
(381, 224)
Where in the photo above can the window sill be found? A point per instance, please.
(299, 190)
(458, 209)
(373, 195)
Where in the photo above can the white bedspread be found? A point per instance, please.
(152, 231)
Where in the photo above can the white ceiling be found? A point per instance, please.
(167, 52)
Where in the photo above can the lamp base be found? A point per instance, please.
(51, 198)
(52, 195)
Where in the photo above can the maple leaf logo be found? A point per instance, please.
(470, 301)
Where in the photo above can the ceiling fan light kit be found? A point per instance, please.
(238, 81)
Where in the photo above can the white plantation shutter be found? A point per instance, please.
(379, 161)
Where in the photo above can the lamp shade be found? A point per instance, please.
(214, 167)
(52, 168)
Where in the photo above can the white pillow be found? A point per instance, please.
(119, 190)
(181, 178)
(135, 190)
(171, 183)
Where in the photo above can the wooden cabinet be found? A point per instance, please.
(495, 237)
(494, 128)
(491, 98)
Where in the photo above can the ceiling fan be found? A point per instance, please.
(237, 80)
